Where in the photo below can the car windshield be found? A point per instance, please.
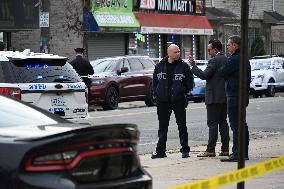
(104, 66)
(14, 114)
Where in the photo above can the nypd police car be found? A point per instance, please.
(45, 80)
(267, 76)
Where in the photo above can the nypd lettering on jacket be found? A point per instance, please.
(177, 77)
(181, 84)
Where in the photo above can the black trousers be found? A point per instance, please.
(233, 119)
(164, 110)
(217, 118)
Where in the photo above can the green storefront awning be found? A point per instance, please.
(116, 19)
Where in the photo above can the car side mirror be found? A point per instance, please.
(123, 70)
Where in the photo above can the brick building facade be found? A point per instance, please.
(63, 34)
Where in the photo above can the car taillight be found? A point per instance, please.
(48, 162)
(68, 159)
(86, 94)
(11, 91)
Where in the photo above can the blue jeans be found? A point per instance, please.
(233, 119)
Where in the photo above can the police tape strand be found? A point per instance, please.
(236, 176)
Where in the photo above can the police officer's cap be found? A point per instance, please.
(79, 50)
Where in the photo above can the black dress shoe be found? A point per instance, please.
(157, 155)
(185, 154)
(232, 158)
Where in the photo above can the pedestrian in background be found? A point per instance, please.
(230, 71)
(2, 46)
(82, 66)
(172, 81)
(215, 99)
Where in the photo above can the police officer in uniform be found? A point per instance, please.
(82, 66)
(172, 81)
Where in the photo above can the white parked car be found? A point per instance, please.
(45, 80)
(267, 76)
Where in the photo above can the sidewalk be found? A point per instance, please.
(174, 170)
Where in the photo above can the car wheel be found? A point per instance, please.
(150, 98)
(112, 99)
(270, 89)
(256, 95)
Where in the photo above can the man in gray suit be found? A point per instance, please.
(215, 99)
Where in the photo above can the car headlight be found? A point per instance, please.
(98, 82)
(260, 77)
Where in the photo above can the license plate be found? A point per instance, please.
(58, 101)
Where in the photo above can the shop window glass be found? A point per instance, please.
(154, 46)
(187, 46)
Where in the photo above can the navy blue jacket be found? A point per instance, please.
(182, 81)
(230, 71)
(83, 68)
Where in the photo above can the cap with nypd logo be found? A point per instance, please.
(79, 50)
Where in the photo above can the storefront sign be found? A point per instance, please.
(112, 5)
(174, 6)
(147, 4)
(114, 20)
(181, 31)
(114, 13)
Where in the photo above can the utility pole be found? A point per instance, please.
(243, 87)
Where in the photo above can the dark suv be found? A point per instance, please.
(121, 79)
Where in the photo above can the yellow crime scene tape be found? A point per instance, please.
(236, 176)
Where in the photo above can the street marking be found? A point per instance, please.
(236, 176)
(138, 113)
(148, 143)
(200, 107)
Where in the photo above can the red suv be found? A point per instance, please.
(121, 79)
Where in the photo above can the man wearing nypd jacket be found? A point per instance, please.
(172, 81)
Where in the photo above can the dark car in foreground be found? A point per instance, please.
(121, 79)
(41, 150)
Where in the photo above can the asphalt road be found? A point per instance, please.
(265, 116)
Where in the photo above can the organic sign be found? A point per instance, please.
(112, 5)
(114, 13)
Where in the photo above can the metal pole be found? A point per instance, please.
(243, 87)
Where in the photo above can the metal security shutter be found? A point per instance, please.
(106, 45)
